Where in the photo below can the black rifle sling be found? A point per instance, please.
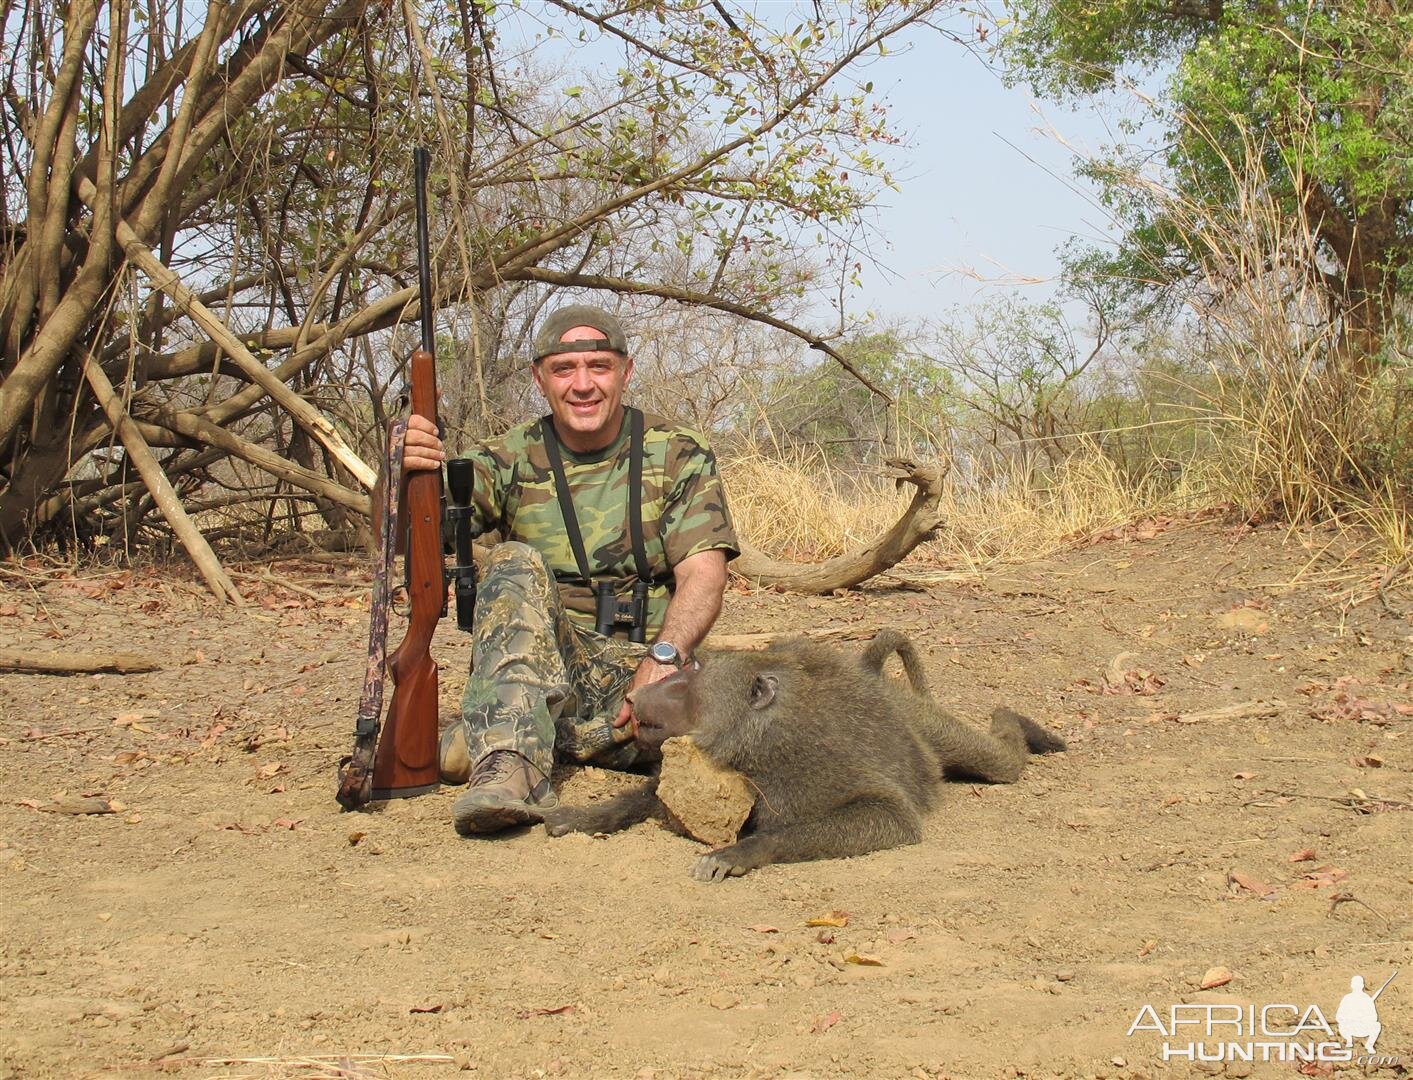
(566, 501)
(635, 496)
(635, 493)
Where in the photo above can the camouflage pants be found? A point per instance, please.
(540, 684)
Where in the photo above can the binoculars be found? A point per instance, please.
(611, 614)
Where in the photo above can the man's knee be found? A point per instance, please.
(513, 557)
(514, 570)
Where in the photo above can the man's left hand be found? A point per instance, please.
(649, 672)
(701, 579)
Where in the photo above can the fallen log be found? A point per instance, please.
(1257, 709)
(160, 487)
(75, 663)
(764, 638)
(919, 522)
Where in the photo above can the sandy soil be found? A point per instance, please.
(228, 920)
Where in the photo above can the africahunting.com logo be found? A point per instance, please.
(1275, 1032)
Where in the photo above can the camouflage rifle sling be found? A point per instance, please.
(356, 770)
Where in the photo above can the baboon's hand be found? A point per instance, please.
(718, 866)
(563, 822)
(556, 827)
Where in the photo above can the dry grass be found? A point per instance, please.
(1024, 514)
(1290, 397)
(795, 507)
(791, 504)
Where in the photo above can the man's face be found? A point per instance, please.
(584, 391)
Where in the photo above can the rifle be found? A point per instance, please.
(404, 762)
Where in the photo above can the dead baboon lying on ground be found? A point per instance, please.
(844, 759)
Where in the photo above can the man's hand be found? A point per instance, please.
(649, 672)
(701, 579)
(422, 450)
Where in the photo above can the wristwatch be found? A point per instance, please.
(666, 653)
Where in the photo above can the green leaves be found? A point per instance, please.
(1307, 104)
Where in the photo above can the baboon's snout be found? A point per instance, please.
(663, 709)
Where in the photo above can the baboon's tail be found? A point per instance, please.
(1038, 740)
(887, 642)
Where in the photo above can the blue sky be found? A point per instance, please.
(985, 188)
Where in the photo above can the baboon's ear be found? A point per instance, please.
(763, 691)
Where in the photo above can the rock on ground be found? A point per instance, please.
(710, 803)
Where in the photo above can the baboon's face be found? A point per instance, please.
(666, 708)
(722, 691)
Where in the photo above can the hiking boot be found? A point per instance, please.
(505, 790)
(454, 758)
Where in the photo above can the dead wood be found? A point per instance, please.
(1243, 710)
(195, 428)
(919, 522)
(303, 413)
(761, 640)
(75, 663)
(165, 496)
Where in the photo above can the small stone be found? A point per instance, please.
(1064, 976)
(724, 999)
(1245, 620)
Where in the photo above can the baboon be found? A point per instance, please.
(844, 759)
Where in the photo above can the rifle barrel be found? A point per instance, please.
(421, 161)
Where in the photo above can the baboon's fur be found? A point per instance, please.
(845, 759)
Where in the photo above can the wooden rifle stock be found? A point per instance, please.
(406, 762)
(399, 758)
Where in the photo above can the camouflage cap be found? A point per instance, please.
(560, 322)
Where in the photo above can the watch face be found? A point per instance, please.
(664, 653)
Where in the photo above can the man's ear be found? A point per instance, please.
(628, 368)
(535, 374)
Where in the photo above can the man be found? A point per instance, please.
(560, 491)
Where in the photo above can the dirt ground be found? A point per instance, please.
(227, 919)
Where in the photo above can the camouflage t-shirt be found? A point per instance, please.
(684, 507)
